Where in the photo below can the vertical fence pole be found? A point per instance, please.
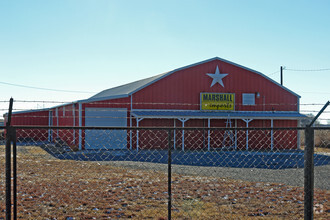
(169, 175)
(14, 174)
(309, 167)
(8, 160)
(309, 173)
(8, 175)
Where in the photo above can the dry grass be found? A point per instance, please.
(321, 150)
(321, 140)
(51, 188)
(318, 149)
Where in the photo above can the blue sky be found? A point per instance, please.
(93, 45)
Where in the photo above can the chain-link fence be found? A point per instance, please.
(321, 174)
(216, 173)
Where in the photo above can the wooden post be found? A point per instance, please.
(282, 75)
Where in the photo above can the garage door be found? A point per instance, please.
(106, 139)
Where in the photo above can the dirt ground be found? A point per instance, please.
(49, 188)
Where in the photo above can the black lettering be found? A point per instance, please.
(213, 97)
(205, 97)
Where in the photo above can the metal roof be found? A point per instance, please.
(197, 114)
(125, 90)
(29, 111)
(130, 88)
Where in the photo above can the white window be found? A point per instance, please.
(63, 110)
(248, 99)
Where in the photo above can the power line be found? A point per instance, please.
(273, 73)
(33, 87)
(314, 92)
(308, 70)
(36, 101)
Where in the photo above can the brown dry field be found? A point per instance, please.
(49, 188)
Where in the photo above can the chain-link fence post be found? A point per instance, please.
(309, 173)
(14, 174)
(8, 174)
(309, 167)
(9, 138)
(169, 175)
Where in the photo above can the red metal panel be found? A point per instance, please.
(66, 118)
(181, 90)
(36, 118)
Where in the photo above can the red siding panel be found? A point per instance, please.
(181, 90)
(37, 118)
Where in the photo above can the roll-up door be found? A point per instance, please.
(105, 139)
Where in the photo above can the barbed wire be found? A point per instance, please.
(74, 121)
(67, 109)
(238, 106)
(147, 103)
(66, 112)
(127, 117)
(105, 109)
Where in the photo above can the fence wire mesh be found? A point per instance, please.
(122, 173)
(321, 173)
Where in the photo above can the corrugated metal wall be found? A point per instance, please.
(36, 118)
(181, 90)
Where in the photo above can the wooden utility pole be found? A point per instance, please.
(282, 75)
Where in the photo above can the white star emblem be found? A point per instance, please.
(217, 77)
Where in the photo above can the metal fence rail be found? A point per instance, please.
(194, 173)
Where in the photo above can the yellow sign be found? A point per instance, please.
(218, 101)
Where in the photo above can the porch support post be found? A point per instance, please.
(298, 135)
(137, 132)
(80, 124)
(74, 123)
(50, 121)
(183, 120)
(236, 134)
(208, 134)
(56, 113)
(130, 124)
(247, 132)
(272, 135)
(174, 135)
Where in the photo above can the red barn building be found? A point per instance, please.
(211, 93)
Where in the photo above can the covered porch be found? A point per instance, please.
(231, 120)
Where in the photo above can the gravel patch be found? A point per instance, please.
(292, 177)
